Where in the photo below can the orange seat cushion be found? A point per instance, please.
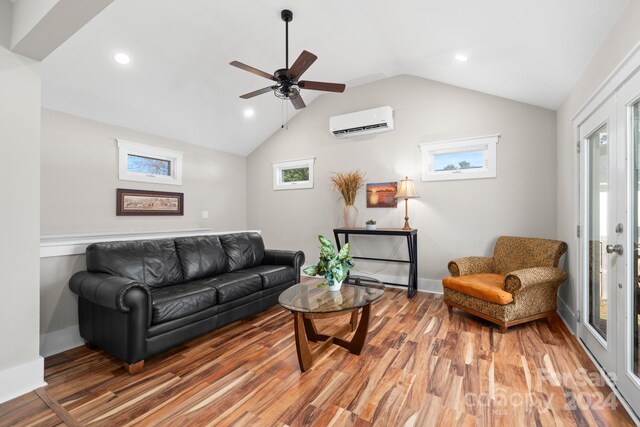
(487, 287)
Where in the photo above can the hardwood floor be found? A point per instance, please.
(417, 368)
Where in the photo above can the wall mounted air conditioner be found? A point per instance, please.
(375, 120)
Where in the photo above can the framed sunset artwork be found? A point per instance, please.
(382, 195)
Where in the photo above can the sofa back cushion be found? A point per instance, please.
(201, 256)
(152, 262)
(243, 250)
(516, 253)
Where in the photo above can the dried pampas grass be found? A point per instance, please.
(348, 184)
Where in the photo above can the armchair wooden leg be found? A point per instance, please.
(134, 368)
(450, 310)
(503, 329)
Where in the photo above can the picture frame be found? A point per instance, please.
(143, 202)
(382, 194)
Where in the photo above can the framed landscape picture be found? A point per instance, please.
(140, 202)
(382, 195)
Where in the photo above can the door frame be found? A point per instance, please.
(621, 74)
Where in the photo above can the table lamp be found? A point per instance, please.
(406, 191)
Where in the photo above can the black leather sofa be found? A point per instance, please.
(140, 298)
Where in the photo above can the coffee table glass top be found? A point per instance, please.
(307, 297)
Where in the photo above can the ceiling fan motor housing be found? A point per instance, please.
(286, 15)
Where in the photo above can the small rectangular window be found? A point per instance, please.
(146, 163)
(293, 174)
(467, 158)
(458, 161)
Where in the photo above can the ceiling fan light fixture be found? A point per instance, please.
(287, 92)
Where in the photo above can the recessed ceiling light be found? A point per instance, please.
(461, 58)
(249, 112)
(122, 58)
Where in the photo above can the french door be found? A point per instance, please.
(609, 308)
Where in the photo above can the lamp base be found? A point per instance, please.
(406, 224)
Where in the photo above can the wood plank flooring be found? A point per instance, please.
(418, 369)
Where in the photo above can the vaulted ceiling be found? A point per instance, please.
(179, 83)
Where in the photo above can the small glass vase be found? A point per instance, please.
(335, 287)
(350, 216)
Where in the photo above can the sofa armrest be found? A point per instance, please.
(294, 259)
(107, 290)
(529, 278)
(471, 265)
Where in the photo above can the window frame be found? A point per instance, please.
(126, 148)
(279, 167)
(486, 144)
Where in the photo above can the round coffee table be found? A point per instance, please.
(307, 302)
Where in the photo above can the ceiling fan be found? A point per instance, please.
(287, 80)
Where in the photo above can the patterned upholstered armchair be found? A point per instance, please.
(519, 284)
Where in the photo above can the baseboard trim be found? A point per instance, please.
(21, 379)
(55, 342)
(567, 315)
(431, 286)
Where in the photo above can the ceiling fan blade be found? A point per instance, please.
(257, 92)
(297, 102)
(252, 70)
(328, 87)
(301, 65)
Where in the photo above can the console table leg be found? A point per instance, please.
(412, 267)
(415, 263)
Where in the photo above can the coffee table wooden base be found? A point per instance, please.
(305, 331)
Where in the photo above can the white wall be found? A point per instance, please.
(80, 177)
(624, 36)
(79, 180)
(21, 368)
(454, 218)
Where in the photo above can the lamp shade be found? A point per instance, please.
(406, 189)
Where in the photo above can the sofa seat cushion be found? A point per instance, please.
(173, 302)
(235, 285)
(487, 287)
(273, 275)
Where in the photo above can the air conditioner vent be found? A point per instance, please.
(375, 120)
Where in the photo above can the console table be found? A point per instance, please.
(412, 245)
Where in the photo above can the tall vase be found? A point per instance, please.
(350, 216)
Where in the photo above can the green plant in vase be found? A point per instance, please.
(333, 265)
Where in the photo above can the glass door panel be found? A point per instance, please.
(628, 358)
(602, 244)
(598, 188)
